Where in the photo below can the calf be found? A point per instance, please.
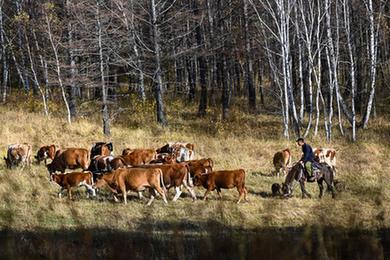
(175, 175)
(135, 179)
(74, 179)
(281, 160)
(70, 158)
(45, 152)
(18, 154)
(223, 180)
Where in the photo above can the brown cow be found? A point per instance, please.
(127, 151)
(46, 152)
(223, 180)
(18, 154)
(70, 158)
(206, 162)
(135, 179)
(74, 179)
(117, 163)
(139, 156)
(281, 161)
(175, 175)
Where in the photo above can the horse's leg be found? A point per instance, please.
(330, 185)
(304, 192)
(321, 186)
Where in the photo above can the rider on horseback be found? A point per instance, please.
(307, 158)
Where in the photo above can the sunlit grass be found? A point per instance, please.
(246, 141)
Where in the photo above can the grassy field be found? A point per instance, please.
(29, 201)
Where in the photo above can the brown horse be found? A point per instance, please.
(297, 173)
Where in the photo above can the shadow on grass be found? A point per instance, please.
(169, 240)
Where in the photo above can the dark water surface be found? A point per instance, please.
(308, 243)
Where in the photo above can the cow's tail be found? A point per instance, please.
(189, 175)
(87, 161)
(162, 181)
(91, 177)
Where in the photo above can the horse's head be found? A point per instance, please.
(293, 174)
(286, 189)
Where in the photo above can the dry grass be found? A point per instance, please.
(247, 141)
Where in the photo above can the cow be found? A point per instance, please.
(281, 161)
(127, 151)
(181, 151)
(326, 155)
(102, 148)
(139, 156)
(163, 158)
(205, 162)
(175, 175)
(117, 162)
(74, 179)
(136, 179)
(18, 154)
(222, 180)
(101, 164)
(71, 158)
(45, 152)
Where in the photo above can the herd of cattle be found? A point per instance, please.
(157, 170)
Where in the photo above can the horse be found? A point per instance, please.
(297, 173)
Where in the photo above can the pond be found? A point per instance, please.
(289, 243)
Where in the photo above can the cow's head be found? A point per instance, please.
(99, 182)
(51, 168)
(199, 178)
(42, 154)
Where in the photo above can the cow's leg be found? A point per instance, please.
(245, 194)
(140, 195)
(219, 193)
(115, 198)
(162, 193)
(60, 193)
(123, 189)
(150, 200)
(69, 193)
(90, 190)
(206, 194)
(193, 195)
(177, 193)
(241, 194)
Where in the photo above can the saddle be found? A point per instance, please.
(315, 168)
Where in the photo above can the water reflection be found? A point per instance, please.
(308, 243)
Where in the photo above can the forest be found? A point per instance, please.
(319, 65)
